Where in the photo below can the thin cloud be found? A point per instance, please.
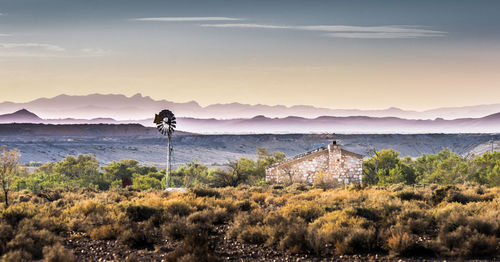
(95, 51)
(263, 26)
(383, 35)
(5, 34)
(187, 19)
(46, 47)
(343, 31)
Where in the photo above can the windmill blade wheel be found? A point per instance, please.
(165, 122)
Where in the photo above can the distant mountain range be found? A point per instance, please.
(263, 124)
(121, 107)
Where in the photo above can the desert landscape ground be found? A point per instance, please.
(41, 143)
(294, 223)
(66, 200)
(249, 130)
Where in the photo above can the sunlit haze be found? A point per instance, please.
(336, 54)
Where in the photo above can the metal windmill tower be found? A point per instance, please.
(165, 122)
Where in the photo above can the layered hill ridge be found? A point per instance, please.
(291, 124)
(121, 107)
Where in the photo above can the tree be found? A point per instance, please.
(485, 169)
(237, 172)
(264, 158)
(82, 170)
(144, 182)
(8, 170)
(192, 174)
(376, 169)
(77, 167)
(121, 169)
(445, 168)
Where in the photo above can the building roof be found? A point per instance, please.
(310, 152)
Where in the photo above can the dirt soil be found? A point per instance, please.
(223, 248)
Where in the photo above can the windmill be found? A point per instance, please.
(165, 122)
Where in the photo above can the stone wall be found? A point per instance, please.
(343, 166)
(301, 169)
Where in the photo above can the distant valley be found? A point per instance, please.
(41, 143)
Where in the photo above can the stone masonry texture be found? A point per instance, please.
(335, 163)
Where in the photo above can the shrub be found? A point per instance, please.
(16, 256)
(409, 195)
(138, 213)
(194, 246)
(483, 225)
(325, 181)
(307, 210)
(220, 216)
(259, 198)
(178, 207)
(454, 240)
(244, 205)
(358, 240)
(106, 232)
(57, 253)
(244, 220)
(252, 235)
(439, 194)
(201, 217)
(32, 241)
(140, 235)
(368, 213)
(407, 245)
(417, 221)
(295, 237)
(176, 229)
(455, 196)
(6, 234)
(15, 213)
(200, 191)
(479, 245)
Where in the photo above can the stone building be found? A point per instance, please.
(335, 163)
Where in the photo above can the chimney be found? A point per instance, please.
(333, 147)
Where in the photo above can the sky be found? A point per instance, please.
(337, 54)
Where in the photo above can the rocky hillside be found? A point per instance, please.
(43, 143)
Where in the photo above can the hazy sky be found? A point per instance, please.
(336, 54)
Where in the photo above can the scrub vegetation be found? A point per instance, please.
(450, 208)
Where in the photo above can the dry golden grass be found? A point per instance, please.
(452, 222)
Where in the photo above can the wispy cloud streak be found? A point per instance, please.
(343, 31)
(187, 19)
(263, 26)
(95, 51)
(47, 47)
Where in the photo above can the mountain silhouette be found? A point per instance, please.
(21, 116)
(121, 107)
